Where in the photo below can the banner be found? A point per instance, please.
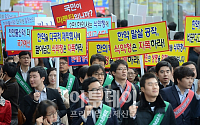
(103, 47)
(78, 60)
(43, 27)
(72, 10)
(13, 53)
(44, 21)
(58, 43)
(192, 31)
(176, 49)
(7, 15)
(18, 38)
(1, 55)
(22, 20)
(24, 13)
(138, 40)
(94, 26)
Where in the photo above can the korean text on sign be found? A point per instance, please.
(176, 49)
(192, 31)
(103, 47)
(58, 43)
(94, 26)
(138, 40)
(72, 10)
(22, 20)
(18, 38)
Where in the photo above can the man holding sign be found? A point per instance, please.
(151, 110)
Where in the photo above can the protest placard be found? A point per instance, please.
(58, 42)
(103, 47)
(78, 60)
(7, 15)
(176, 49)
(18, 38)
(22, 20)
(44, 21)
(13, 53)
(192, 31)
(72, 10)
(95, 26)
(138, 40)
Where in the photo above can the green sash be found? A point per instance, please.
(23, 84)
(70, 82)
(159, 117)
(62, 90)
(108, 80)
(105, 112)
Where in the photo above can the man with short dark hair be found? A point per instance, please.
(127, 93)
(179, 36)
(40, 93)
(12, 92)
(184, 101)
(172, 26)
(151, 108)
(70, 82)
(22, 76)
(164, 74)
(96, 112)
(101, 60)
(193, 67)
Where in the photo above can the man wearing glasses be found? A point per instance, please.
(70, 82)
(22, 76)
(101, 60)
(127, 93)
(95, 112)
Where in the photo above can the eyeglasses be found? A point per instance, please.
(122, 69)
(53, 114)
(94, 89)
(99, 74)
(24, 57)
(63, 63)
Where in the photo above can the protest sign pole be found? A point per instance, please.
(32, 63)
(57, 71)
(136, 20)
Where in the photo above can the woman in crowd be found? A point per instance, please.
(51, 83)
(133, 76)
(46, 114)
(5, 107)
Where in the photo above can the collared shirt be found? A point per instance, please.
(7, 80)
(162, 86)
(182, 96)
(93, 113)
(2, 101)
(43, 94)
(24, 74)
(120, 87)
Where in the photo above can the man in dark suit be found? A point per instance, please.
(22, 75)
(126, 93)
(164, 74)
(184, 101)
(95, 112)
(151, 105)
(40, 93)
